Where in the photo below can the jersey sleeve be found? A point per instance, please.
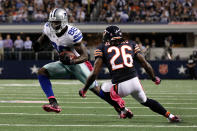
(77, 36)
(98, 52)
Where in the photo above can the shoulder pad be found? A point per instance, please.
(46, 28)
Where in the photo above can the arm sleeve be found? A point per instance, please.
(98, 52)
(77, 37)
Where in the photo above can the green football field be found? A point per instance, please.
(21, 101)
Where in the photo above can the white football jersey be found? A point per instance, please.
(72, 36)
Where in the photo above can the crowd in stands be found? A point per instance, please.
(147, 11)
(24, 11)
(112, 11)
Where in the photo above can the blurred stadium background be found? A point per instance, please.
(166, 31)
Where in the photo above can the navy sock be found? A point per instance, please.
(101, 94)
(46, 86)
(155, 106)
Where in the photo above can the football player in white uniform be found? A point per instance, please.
(63, 37)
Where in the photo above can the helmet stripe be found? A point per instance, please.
(54, 12)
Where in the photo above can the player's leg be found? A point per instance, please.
(110, 92)
(158, 108)
(54, 69)
(81, 72)
(140, 96)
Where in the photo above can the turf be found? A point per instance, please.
(91, 113)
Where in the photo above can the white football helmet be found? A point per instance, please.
(60, 17)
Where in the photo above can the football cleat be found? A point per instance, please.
(127, 114)
(51, 108)
(174, 119)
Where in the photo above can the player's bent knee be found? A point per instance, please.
(43, 71)
(146, 103)
(140, 97)
(144, 100)
(141, 100)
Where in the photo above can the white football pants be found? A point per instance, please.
(131, 87)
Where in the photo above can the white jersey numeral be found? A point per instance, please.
(114, 58)
(127, 58)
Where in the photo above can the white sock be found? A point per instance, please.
(171, 116)
(125, 110)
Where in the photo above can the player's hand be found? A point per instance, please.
(157, 80)
(66, 60)
(82, 93)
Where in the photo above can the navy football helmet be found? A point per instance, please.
(112, 33)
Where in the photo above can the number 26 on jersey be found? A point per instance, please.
(126, 57)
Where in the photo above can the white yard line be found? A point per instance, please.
(38, 90)
(91, 107)
(98, 115)
(74, 94)
(80, 102)
(21, 101)
(74, 82)
(37, 84)
(111, 126)
(2, 98)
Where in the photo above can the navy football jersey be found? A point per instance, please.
(119, 60)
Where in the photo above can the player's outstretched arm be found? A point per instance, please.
(92, 77)
(148, 68)
(81, 49)
(38, 45)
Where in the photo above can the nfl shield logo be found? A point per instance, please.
(163, 69)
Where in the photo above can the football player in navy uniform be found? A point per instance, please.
(118, 55)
